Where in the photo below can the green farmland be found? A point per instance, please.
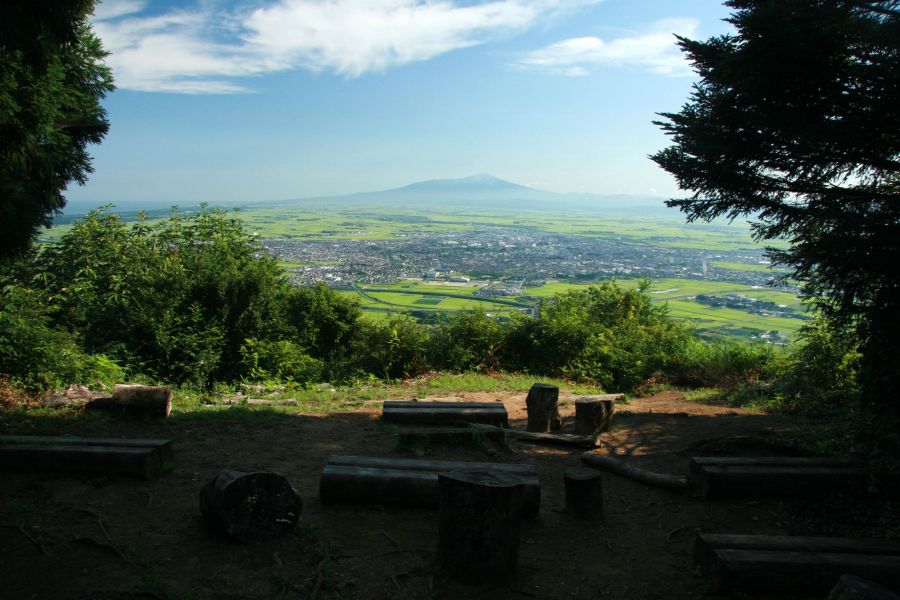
(676, 294)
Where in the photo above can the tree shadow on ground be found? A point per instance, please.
(82, 536)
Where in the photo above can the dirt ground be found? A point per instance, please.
(66, 536)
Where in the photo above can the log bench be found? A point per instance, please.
(408, 482)
(410, 412)
(768, 564)
(142, 458)
(773, 476)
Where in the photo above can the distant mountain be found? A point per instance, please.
(476, 192)
(485, 191)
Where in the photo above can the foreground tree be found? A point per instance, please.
(795, 122)
(51, 82)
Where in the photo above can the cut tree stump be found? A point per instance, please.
(479, 525)
(154, 401)
(779, 476)
(556, 439)
(857, 588)
(584, 493)
(250, 507)
(403, 412)
(408, 482)
(143, 462)
(806, 573)
(543, 410)
(593, 414)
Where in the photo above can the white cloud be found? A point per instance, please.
(204, 51)
(111, 9)
(653, 50)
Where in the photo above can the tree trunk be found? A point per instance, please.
(608, 463)
(555, 439)
(593, 414)
(479, 522)
(144, 399)
(443, 413)
(409, 482)
(584, 493)
(778, 476)
(543, 412)
(250, 507)
(706, 544)
(773, 572)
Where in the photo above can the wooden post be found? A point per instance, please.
(593, 414)
(146, 399)
(250, 507)
(543, 412)
(479, 522)
(584, 493)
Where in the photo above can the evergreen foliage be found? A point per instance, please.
(795, 123)
(52, 79)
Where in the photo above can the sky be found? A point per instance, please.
(227, 102)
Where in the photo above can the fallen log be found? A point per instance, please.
(250, 507)
(558, 439)
(857, 588)
(782, 477)
(141, 462)
(706, 543)
(443, 413)
(165, 448)
(542, 404)
(479, 525)
(614, 465)
(408, 482)
(147, 400)
(594, 413)
(785, 572)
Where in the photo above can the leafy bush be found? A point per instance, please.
(466, 341)
(818, 375)
(37, 356)
(175, 299)
(605, 334)
(390, 350)
(283, 360)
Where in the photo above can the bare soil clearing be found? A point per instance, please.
(67, 536)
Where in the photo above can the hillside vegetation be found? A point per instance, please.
(196, 301)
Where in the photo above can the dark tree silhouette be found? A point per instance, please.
(795, 123)
(51, 82)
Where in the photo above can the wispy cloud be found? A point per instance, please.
(203, 50)
(653, 50)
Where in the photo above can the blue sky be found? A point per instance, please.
(273, 99)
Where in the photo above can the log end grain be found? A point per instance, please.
(250, 507)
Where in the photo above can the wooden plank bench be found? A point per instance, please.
(407, 412)
(143, 458)
(408, 482)
(778, 476)
(793, 564)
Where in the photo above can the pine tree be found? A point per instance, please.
(795, 123)
(52, 79)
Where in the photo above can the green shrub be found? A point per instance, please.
(465, 341)
(392, 349)
(37, 356)
(281, 360)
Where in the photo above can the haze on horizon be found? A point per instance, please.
(224, 103)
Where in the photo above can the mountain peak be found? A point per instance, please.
(480, 181)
